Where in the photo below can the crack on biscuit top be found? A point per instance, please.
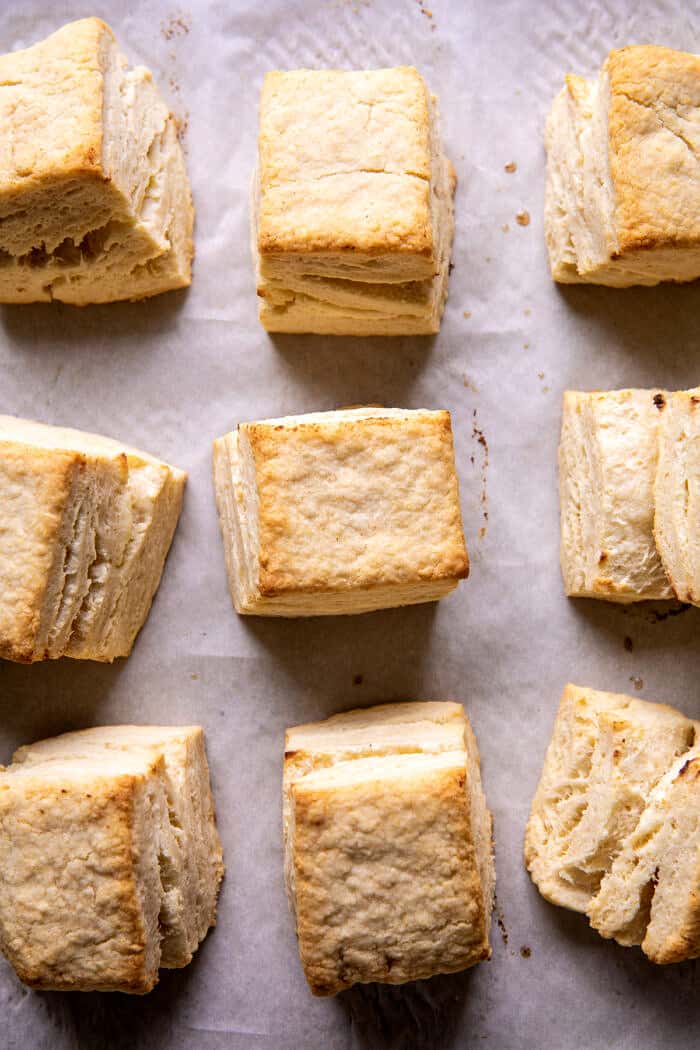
(655, 109)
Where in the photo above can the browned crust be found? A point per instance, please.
(449, 787)
(274, 580)
(271, 245)
(645, 80)
(131, 975)
(55, 468)
(273, 242)
(78, 45)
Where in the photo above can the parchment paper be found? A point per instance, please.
(172, 373)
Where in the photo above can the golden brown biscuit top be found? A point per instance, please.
(352, 501)
(387, 880)
(51, 105)
(345, 162)
(654, 146)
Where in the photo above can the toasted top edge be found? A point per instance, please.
(626, 394)
(634, 707)
(98, 766)
(348, 415)
(44, 435)
(385, 767)
(355, 724)
(119, 741)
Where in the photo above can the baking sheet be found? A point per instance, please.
(172, 373)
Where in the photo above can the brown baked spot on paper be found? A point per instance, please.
(479, 436)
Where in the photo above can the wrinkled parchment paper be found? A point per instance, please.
(172, 373)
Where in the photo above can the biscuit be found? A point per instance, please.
(85, 527)
(388, 845)
(352, 204)
(622, 199)
(95, 204)
(608, 456)
(606, 753)
(340, 512)
(110, 861)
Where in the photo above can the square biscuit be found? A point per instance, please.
(614, 831)
(608, 456)
(345, 165)
(654, 138)
(606, 753)
(110, 862)
(48, 931)
(623, 190)
(86, 523)
(352, 204)
(388, 845)
(340, 512)
(95, 204)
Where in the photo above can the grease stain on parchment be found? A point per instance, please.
(479, 438)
